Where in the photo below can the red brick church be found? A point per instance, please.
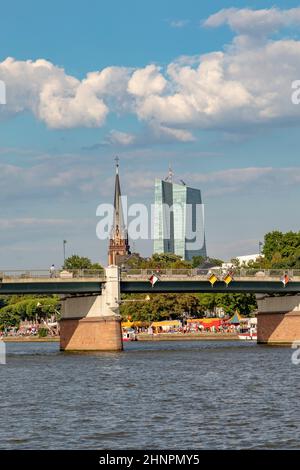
(119, 247)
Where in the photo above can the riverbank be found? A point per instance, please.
(140, 337)
(30, 339)
(188, 337)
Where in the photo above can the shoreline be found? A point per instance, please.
(29, 339)
(140, 337)
(188, 337)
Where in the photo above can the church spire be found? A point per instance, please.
(118, 243)
(118, 212)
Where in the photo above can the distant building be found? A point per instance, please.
(178, 213)
(247, 258)
(242, 260)
(118, 244)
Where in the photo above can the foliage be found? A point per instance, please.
(17, 308)
(80, 262)
(281, 251)
(165, 306)
(43, 332)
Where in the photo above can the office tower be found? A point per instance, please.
(178, 219)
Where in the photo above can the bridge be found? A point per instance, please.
(137, 281)
(91, 299)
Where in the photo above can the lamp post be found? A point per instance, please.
(64, 250)
(260, 244)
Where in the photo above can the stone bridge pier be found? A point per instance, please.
(278, 319)
(93, 322)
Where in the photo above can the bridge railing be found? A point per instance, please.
(57, 274)
(206, 273)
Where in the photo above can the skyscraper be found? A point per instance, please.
(118, 243)
(178, 220)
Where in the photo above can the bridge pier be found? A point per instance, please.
(278, 319)
(93, 322)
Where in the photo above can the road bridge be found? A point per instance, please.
(91, 299)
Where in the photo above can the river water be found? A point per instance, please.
(163, 395)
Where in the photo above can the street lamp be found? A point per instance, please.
(64, 249)
(260, 244)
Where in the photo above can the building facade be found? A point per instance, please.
(178, 220)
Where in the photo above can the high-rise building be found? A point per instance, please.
(178, 219)
(118, 243)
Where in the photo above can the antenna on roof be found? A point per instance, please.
(169, 178)
(117, 164)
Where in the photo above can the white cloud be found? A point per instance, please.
(121, 138)
(147, 81)
(247, 21)
(168, 133)
(58, 99)
(247, 85)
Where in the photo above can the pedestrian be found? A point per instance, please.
(52, 271)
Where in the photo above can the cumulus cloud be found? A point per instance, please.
(247, 21)
(58, 99)
(245, 86)
(147, 81)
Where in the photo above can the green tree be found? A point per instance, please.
(80, 262)
(197, 261)
(19, 308)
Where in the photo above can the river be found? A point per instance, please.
(163, 395)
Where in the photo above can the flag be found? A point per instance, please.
(212, 279)
(285, 280)
(228, 278)
(153, 279)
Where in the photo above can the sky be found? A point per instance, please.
(205, 88)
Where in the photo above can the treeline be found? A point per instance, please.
(280, 250)
(14, 309)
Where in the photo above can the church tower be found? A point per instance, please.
(118, 243)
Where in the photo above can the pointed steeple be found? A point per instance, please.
(118, 225)
(118, 244)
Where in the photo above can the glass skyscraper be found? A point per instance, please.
(178, 220)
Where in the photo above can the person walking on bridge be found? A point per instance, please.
(52, 271)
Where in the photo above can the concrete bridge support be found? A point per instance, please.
(278, 320)
(93, 323)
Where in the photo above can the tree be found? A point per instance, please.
(197, 261)
(80, 262)
(19, 308)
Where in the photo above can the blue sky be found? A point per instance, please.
(204, 86)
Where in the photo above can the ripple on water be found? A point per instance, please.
(200, 395)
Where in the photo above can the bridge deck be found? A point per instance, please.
(164, 285)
